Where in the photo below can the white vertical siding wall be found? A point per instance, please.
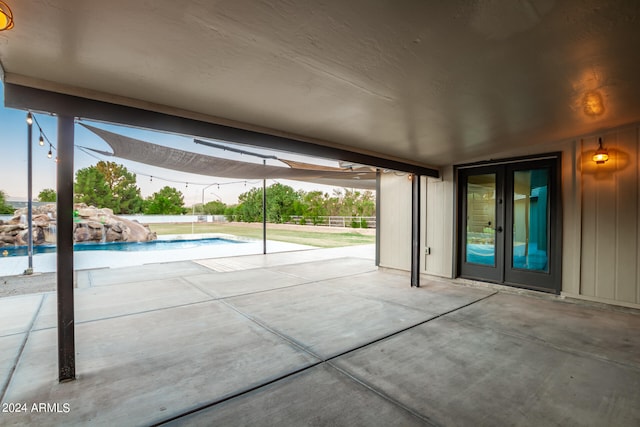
(600, 208)
(440, 219)
(395, 221)
(610, 213)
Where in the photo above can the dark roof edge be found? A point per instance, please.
(29, 98)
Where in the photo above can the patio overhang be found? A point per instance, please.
(30, 98)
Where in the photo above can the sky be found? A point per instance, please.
(14, 164)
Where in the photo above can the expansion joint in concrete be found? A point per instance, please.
(5, 387)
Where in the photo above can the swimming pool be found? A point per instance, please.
(154, 245)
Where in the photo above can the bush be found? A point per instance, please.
(303, 221)
(364, 223)
(355, 224)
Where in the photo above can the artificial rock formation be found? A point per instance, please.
(90, 225)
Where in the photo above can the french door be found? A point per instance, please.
(509, 223)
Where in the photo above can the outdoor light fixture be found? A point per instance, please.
(49, 154)
(601, 155)
(29, 118)
(6, 17)
(41, 140)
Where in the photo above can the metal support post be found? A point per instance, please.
(378, 178)
(29, 269)
(264, 212)
(415, 231)
(66, 322)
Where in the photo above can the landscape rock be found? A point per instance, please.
(91, 224)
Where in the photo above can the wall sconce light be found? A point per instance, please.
(6, 17)
(601, 155)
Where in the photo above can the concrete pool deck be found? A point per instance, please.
(85, 260)
(317, 337)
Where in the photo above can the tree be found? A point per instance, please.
(47, 195)
(352, 203)
(125, 194)
(91, 188)
(250, 206)
(230, 213)
(4, 207)
(167, 201)
(214, 208)
(282, 203)
(108, 185)
(314, 203)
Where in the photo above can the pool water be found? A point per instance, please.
(154, 245)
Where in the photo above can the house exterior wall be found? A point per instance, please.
(395, 214)
(610, 213)
(600, 207)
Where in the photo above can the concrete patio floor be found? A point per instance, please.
(315, 338)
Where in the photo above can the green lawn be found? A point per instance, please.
(300, 236)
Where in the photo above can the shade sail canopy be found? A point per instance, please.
(136, 150)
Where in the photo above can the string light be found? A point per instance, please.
(31, 118)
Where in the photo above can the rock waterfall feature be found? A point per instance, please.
(91, 224)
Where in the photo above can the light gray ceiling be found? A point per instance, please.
(435, 82)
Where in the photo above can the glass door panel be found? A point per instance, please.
(481, 219)
(510, 223)
(482, 239)
(530, 238)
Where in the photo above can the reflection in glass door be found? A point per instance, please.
(509, 223)
(481, 219)
(482, 242)
(530, 220)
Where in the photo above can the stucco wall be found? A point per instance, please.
(601, 215)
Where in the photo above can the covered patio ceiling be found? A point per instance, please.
(424, 82)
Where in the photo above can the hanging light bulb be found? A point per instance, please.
(186, 185)
(56, 159)
(151, 179)
(50, 153)
(41, 140)
(29, 118)
(601, 155)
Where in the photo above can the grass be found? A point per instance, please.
(300, 236)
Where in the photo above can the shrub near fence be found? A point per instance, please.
(336, 221)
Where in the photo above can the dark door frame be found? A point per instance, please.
(550, 281)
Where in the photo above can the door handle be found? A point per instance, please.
(499, 229)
